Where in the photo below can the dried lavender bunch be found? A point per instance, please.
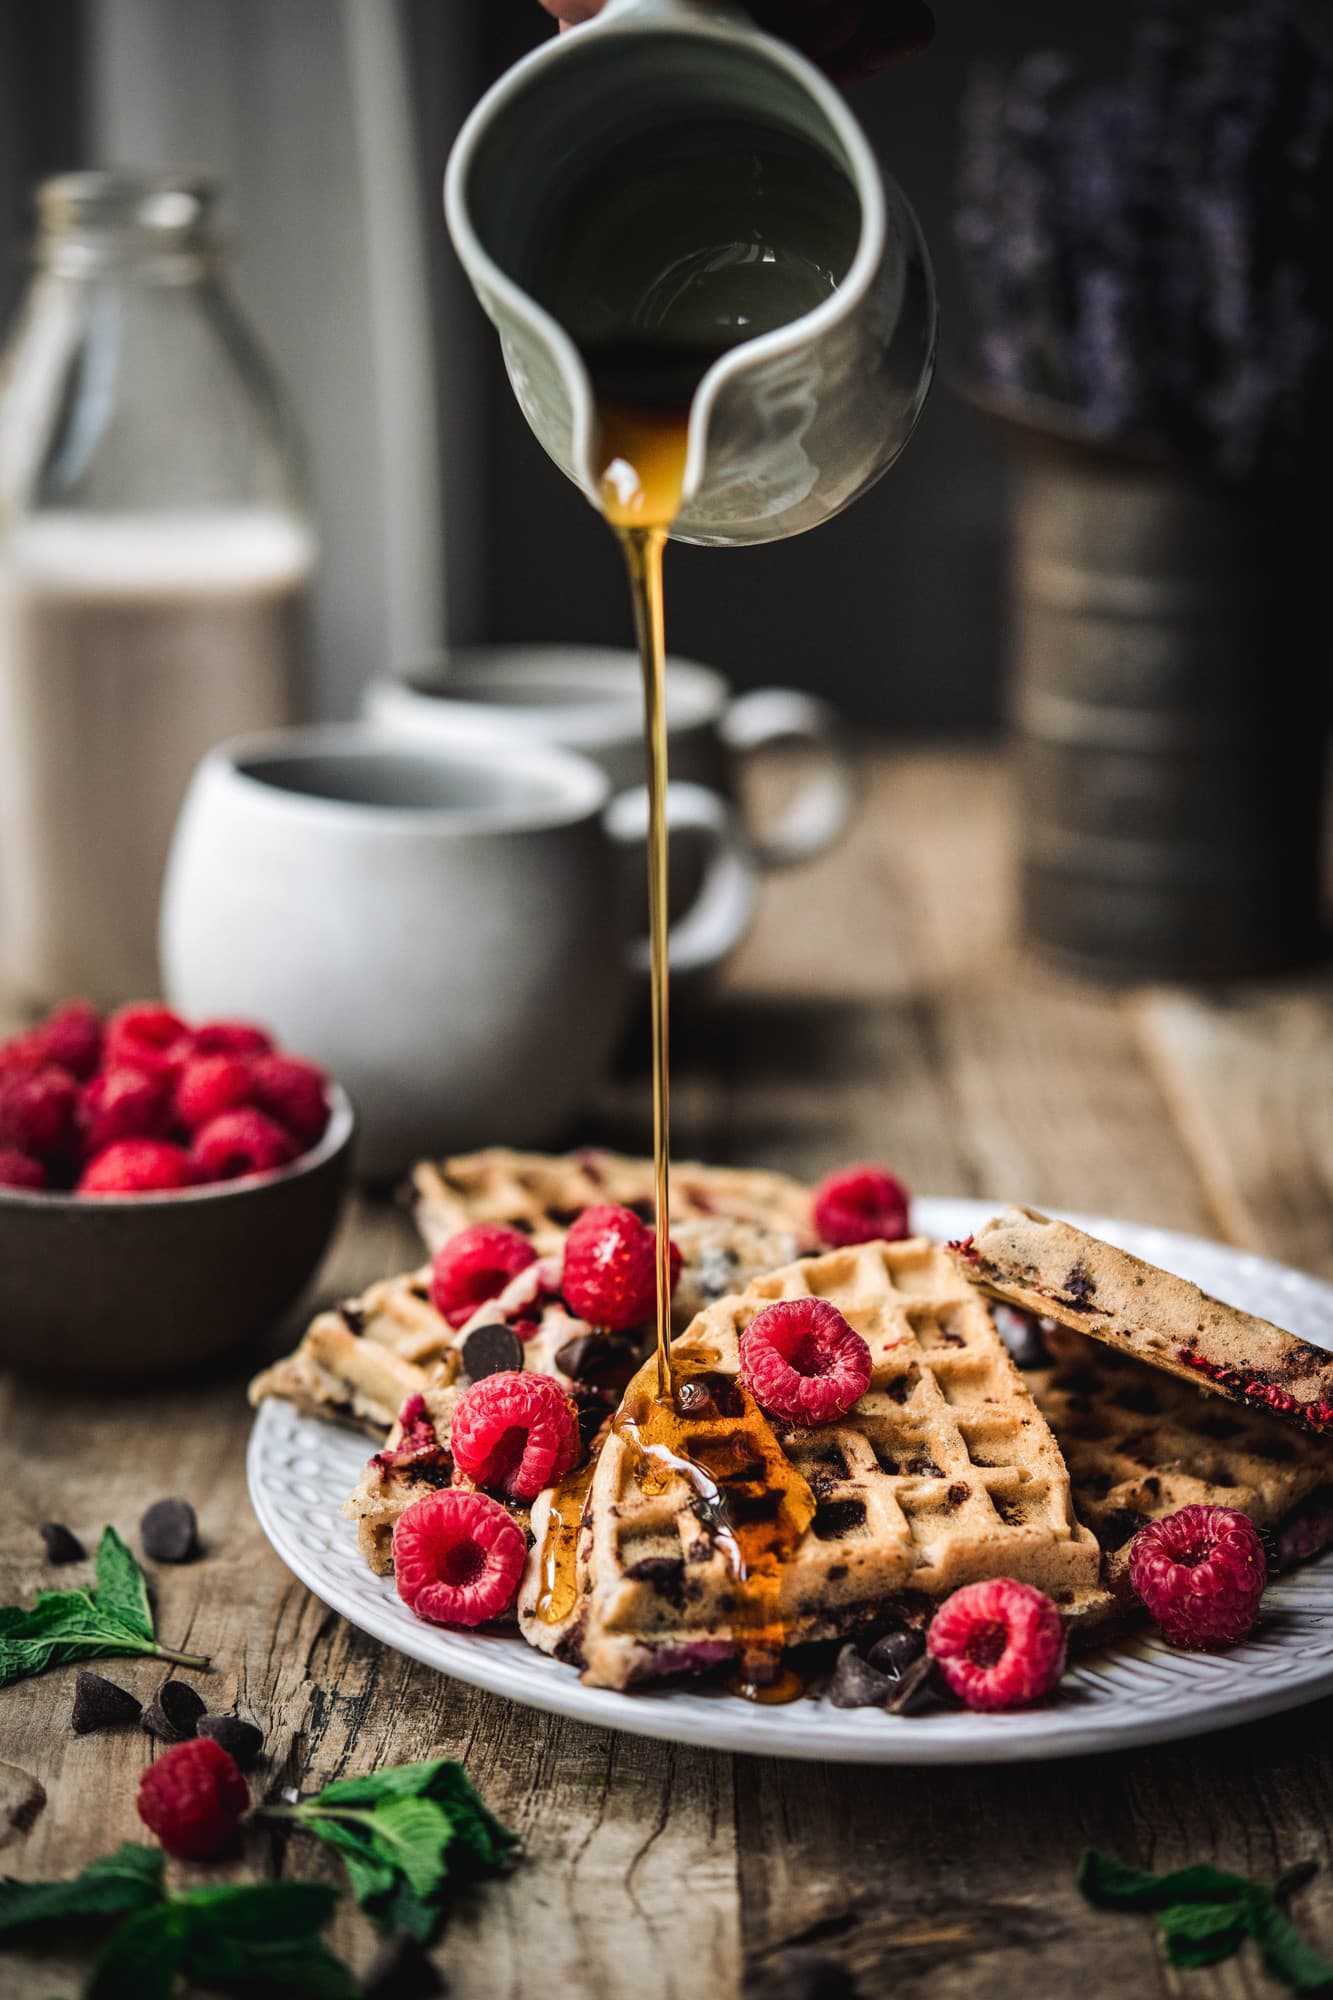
(1158, 256)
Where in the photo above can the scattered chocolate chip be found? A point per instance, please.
(174, 1712)
(856, 1684)
(169, 1532)
(801, 1974)
(241, 1740)
(400, 1970)
(490, 1350)
(895, 1652)
(61, 1545)
(916, 1688)
(100, 1704)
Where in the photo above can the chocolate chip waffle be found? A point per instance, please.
(1140, 1444)
(944, 1472)
(360, 1361)
(543, 1193)
(1052, 1269)
(415, 1460)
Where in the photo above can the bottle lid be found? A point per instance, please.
(122, 216)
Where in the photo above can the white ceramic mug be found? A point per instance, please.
(439, 926)
(589, 698)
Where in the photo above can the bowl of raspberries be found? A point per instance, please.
(167, 1188)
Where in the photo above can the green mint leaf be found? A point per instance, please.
(142, 1959)
(126, 1881)
(1284, 1951)
(262, 1912)
(70, 1625)
(395, 1781)
(1113, 1885)
(478, 1834)
(122, 1588)
(1201, 1933)
(244, 1967)
(414, 1833)
(369, 1870)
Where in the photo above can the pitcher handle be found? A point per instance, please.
(721, 911)
(819, 814)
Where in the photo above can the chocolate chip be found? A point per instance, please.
(241, 1740)
(491, 1350)
(916, 1688)
(400, 1970)
(100, 1704)
(856, 1684)
(802, 1974)
(924, 1467)
(169, 1532)
(598, 1360)
(895, 1652)
(61, 1545)
(174, 1712)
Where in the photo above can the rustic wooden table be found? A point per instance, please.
(878, 1010)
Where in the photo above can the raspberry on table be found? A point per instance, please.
(476, 1265)
(137, 1166)
(802, 1361)
(71, 1038)
(20, 1170)
(610, 1269)
(193, 1798)
(999, 1644)
(240, 1142)
(209, 1085)
(294, 1092)
(457, 1557)
(516, 1430)
(230, 1038)
(145, 1035)
(1200, 1574)
(37, 1111)
(863, 1204)
(123, 1104)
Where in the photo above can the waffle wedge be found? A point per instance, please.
(359, 1362)
(1140, 1444)
(542, 1193)
(1052, 1269)
(944, 1472)
(414, 1460)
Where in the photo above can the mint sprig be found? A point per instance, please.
(255, 1939)
(1204, 1914)
(113, 1618)
(409, 1837)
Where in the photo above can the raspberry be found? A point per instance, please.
(37, 1111)
(296, 1093)
(230, 1038)
(20, 1170)
(999, 1644)
(194, 1798)
(610, 1274)
(123, 1104)
(861, 1205)
(515, 1430)
(22, 1054)
(474, 1266)
(801, 1360)
(210, 1085)
(71, 1037)
(145, 1035)
(237, 1143)
(137, 1166)
(1200, 1573)
(457, 1557)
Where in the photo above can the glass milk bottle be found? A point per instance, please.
(155, 562)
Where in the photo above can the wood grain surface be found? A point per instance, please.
(879, 1008)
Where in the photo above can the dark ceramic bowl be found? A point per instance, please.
(122, 1288)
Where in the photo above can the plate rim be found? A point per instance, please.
(867, 1737)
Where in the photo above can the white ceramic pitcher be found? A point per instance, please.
(785, 429)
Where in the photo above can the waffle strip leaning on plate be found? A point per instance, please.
(361, 1360)
(944, 1472)
(1057, 1271)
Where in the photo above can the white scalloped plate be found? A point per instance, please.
(1137, 1692)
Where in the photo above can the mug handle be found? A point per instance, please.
(721, 912)
(819, 814)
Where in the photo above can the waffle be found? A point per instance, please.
(542, 1193)
(360, 1361)
(415, 1460)
(943, 1473)
(1054, 1269)
(1139, 1445)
